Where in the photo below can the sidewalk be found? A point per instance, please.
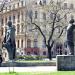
(29, 69)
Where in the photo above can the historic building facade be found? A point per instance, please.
(30, 41)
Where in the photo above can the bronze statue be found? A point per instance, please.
(9, 41)
(70, 36)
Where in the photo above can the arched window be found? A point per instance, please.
(22, 16)
(21, 43)
(22, 28)
(43, 44)
(18, 44)
(6, 20)
(28, 43)
(18, 17)
(2, 32)
(44, 16)
(59, 48)
(2, 21)
(18, 28)
(35, 43)
(44, 2)
(13, 18)
(9, 17)
(44, 52)
(36, 14)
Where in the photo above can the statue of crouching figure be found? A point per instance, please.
(9, 41)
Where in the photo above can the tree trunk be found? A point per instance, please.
(49, 53)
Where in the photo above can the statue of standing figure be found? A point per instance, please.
(70, 36)
(9, 41)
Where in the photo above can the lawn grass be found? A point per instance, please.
(37, 62)
(41, 73)
(32, 61)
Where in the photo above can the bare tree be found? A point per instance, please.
(2, 4)
(56, 20)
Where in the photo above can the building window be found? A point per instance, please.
(10, 18)
(6, 8)
(59, 4)
(43, 44)
(6, 20)
(0, 40)
(58, 30)
(51, 16)
(28, 43)
(22, 3)
(59, 48)
(36, 14)
(72, 16)
(13, 19)
(58, 17)
(18, 17)
(44, 16)
(18, 29)
(28, 53)
(65, 44)
(18, 44)
(13, 6)
(44, 52)
(65, 5)
(22, 15)
(2, 21)
(35, 53)
(44, 2)
(35, 43)
(10, 7)
(5, 29)
(22, 28)
(40, 2)
(65, 16)
(21, 43)
(17, 4)
(71, 6)
(2, 32)
(30, 15)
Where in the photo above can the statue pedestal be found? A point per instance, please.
(65, 62)
(9, 63)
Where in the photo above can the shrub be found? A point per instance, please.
(39, 57)
(20, 57)
(31, 57)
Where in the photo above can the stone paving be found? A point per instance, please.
(29, 69)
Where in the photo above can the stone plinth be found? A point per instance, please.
(65, 62)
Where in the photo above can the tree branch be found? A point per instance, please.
(57, 27)
(61, 32)
(40, 32)
(52, 43)
(2, 5)
(52, 29)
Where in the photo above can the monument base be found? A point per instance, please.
(9, 64)
(65, 62)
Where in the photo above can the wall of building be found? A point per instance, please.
(17, 11)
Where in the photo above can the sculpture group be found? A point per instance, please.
(9, 41)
